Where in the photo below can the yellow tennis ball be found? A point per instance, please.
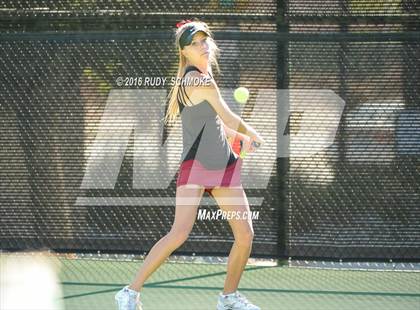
(241, 94)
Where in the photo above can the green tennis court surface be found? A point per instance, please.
(91, 284)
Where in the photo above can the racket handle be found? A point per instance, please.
(243, 153)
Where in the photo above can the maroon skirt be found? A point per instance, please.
(193, 172)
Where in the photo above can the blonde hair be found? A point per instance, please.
(173, 108)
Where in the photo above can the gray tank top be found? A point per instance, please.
(203, 136)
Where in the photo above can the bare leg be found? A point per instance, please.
(187, 202)
(234, 199)
(238, 257)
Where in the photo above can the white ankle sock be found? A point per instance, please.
(131, 292)
(230, 294)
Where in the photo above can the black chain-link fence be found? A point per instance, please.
(357, 198)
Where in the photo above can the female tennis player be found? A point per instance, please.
(208, 164)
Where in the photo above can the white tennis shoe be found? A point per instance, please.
(235, 301)
(128, 299)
